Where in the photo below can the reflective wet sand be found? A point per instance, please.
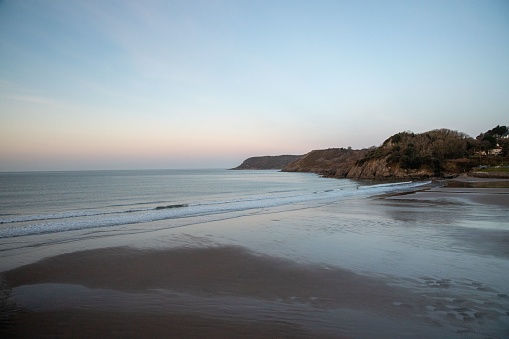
(433, 263)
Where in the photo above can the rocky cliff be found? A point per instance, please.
(267, 162)
(332, 162)
(439, 153)
(405, 155)
(380, 169)
(340, 163)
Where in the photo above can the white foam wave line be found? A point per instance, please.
(67, 215)
(115, 219)
(384, 185)
(162, 214)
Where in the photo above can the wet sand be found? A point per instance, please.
(394, 274)
(470, 189)
(485, 196)
(230, 276)
(207, 271)
(100, 324)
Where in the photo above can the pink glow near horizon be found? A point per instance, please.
(120, 84)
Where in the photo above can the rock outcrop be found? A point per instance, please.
(490, 175)
(405, 155)
(440, 153)
(267, 162)
(332, 162)
(345, 163)
(380, 169)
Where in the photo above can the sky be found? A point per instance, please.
(205, 84)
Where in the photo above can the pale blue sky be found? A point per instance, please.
(184, 84)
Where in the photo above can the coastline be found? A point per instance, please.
(359, 268)
(488, 191)
(218, 291)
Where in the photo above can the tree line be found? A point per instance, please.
(431, 149)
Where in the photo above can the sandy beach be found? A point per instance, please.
(472, 189)
(338, 271)
(222, 277)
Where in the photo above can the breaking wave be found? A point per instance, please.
(124, 214)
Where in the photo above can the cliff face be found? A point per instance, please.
(405, 155)
(267, 162)
(332, 162)
(343, 163)
(438, 153)
(380, 169)
(340, 163)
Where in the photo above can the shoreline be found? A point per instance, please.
(218, 291)
(235, 277)
(487, 191)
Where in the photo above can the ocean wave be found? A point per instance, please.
(171, 206)
(391, 184)
(65, 215)
(394, 185)
(87, 213)
(77, 220)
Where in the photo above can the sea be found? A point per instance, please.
(33, 203)
(451, 254)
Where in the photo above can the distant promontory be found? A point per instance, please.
(267, 162)
(440, 153)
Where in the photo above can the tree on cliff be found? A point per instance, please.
(495, 137)
(430, 149)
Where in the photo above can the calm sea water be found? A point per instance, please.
(52, 202)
